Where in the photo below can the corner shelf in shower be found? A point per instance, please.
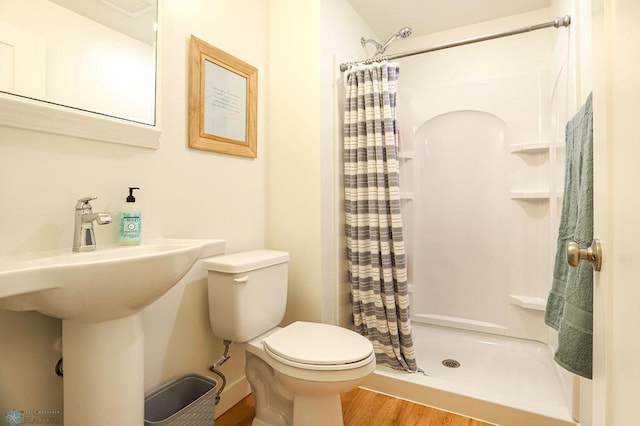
(530, 148)
(530, 195)
(406, 155)
(406, 196)
(528, 302)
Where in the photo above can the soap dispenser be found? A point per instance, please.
(130, 221)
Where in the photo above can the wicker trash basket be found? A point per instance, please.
(186, 401)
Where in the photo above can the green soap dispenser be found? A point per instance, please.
(130, 221)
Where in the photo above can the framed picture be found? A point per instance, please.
(222, 101)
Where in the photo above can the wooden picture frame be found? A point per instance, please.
(222, 101)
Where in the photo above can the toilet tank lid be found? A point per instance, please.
(246, 261)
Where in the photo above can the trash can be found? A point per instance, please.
(186, 401)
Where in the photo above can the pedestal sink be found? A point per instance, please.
(99, 296)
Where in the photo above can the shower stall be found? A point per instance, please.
(482, 164)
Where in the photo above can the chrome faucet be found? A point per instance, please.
(84, 239)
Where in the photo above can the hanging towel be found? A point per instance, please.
(570, 304)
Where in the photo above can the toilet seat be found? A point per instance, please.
(316, 346)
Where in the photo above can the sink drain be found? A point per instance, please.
(451, 363)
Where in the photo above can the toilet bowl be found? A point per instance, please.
(297, 372)
(309, 381)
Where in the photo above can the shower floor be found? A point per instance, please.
(502, 380)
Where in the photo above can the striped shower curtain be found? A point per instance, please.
(375, 245)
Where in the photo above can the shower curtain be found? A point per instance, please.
(375, 245)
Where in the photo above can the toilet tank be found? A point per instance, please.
(247, 293)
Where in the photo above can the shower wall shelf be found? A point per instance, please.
(406, 155)
(530, 195)
(530, 148)
(406, 196)
(533, 148)
(528, 302)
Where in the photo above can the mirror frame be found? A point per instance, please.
(41, 116)
(29, 114)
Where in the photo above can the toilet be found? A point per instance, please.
(297, 372)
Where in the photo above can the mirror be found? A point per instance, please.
(97, 56)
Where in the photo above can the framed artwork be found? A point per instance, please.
(222, 101)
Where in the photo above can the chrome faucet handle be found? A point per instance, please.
(84, 202)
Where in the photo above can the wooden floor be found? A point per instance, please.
(361, 407)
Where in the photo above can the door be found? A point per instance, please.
(616, 72)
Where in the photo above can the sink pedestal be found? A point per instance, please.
(103, 372)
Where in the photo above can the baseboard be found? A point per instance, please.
(232, 394)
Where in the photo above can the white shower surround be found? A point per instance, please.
(477, 89)
(479, 216)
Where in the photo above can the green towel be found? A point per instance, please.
(570, 303)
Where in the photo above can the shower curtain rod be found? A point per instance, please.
(564, 21)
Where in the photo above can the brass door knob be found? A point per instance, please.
(593, 254)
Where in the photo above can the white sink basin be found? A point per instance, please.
(112, 282)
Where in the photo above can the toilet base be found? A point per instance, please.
(273, 403)
(277, 405)
(317, 410)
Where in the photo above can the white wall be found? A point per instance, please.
(185, 193)
(295, 210)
